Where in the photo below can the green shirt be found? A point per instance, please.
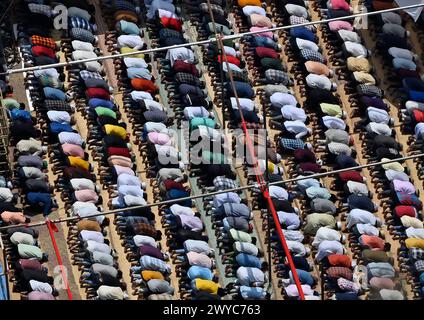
(129, 27)
(375, 256)
(331, 109)
(10, 103)
(270, 63)
(47, 81)
(220, 28)
(196, 122)
(316, 220)
(27, 251)
(241, 236)
(102, 111)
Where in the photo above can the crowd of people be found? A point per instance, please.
(28, 193)
(150, 271)
(294, 75)
(400, 63)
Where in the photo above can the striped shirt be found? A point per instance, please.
(77, 22)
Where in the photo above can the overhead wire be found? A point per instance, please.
(212, 40)
(214, 193)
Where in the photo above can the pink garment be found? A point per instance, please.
(382, 283)
(159, 138)
(404, 186)
(199, 259)
(73, 150)
(12, 217)
(259, 20)
(268, 34)
(340, 5)
(340, 25)
(86, 196)
(191, 222)
(120, 161)
(38, 295)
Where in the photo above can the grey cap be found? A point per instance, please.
(261, 118)
(278, 156)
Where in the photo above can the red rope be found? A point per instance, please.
(52, 228)
(261, 181)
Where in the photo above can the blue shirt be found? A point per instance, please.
(360, 202)
(344, 161)
(154, 264)
(252, 292)
(346, 296)
(77, 22)
(95, 102)
(400, 63)
(54, 94)
(244, 90)
(42, 199)
(249, 116)
(259, 41)
(199, 272)
(302, 33)
(176, 194)
(142, 73)
(129, 27)
(56, 127)
(172, 41)
(416, 95)
(301, 263)
(413, 84)
(247, 260)
(304, 277)
(18, 114)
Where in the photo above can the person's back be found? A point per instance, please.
(104, 270)
(381, 269)
(29, 252)
(110, 293)
(38, 295)
(248, 275)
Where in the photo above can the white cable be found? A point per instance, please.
(204, 195)
(212, 40)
